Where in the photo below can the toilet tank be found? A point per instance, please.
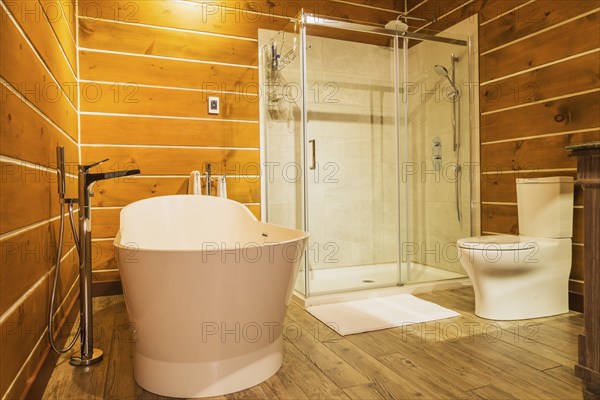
(545, 207)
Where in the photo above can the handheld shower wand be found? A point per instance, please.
(62, 188)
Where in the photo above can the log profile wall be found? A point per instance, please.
(39, 103)
(146, 68)
(539, 86)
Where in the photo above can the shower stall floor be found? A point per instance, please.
(335, 280)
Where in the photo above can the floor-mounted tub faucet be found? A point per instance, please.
(88, 354)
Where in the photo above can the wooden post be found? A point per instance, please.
(588, 176)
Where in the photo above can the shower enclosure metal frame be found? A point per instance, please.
(305, 20)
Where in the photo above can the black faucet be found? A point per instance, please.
(89, 355)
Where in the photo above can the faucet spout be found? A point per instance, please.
(88, 354)
(91, 178)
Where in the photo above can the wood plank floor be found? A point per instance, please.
(459, 358)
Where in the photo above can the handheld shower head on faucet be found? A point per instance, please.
(443, 71)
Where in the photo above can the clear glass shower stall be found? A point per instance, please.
(366, 144)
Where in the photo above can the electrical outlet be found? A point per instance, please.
(213, 105)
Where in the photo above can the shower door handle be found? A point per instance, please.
(313, 164)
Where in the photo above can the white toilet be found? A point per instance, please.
(525, 276)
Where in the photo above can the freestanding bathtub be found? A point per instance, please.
(206, 287)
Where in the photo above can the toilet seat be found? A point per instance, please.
(499, 243)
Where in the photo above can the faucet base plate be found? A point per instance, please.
(78, 361)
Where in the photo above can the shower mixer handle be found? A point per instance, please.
(87, 167)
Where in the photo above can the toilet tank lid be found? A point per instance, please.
(497, 243)
(550, 179)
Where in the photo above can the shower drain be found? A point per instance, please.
(368, 281)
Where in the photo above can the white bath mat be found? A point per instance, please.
(379, 313)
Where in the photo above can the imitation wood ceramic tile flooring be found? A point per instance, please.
(459, 358)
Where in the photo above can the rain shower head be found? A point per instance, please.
(396, 25)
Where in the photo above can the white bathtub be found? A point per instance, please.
(206, 287)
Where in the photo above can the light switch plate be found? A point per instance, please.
(213, 105)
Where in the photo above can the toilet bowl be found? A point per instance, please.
(525, 276)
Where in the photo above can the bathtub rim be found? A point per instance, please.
(301, 234)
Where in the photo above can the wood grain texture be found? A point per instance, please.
(66, 317)
(103, 255)
(581, 73)
(530, 19)
(137, 39)
(27, 197)
(502, 187)
(120, 193)
(504, 219)
(578, 266)
(428, 362)
(25, 325)
(588, 366)
(40, 32)
(537, 50)
(106, 222)
(493, 9)
(183, 15)
(27, 256)
(29, 137)
(533, 154)
(109, 129)
(142, 70)
(22, 69)
(563, 115)
(80, 383)
(129, 98)
(61, 15)
(445, 14)
(173, 161)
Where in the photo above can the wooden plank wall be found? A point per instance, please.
(539, 81)
(39, 103)
(146, 71)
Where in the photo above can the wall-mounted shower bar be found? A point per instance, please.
(311, 19)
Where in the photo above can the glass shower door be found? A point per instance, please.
(435, 179)
(351, 161)
(281, 112)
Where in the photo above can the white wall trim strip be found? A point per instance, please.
(540, 32)
(28, 228)
(538, 67)
(58, 39)
(160, 146)
(168, 28)
(37, 110)
(539, 136)
(445, 15)
(167, 117)
(529, 171)
(497, 203)
(41, 340)
(506, 13)
(26, 38)
(169, 87)
(32, 289)
(566, 96)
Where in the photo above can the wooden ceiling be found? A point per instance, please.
(376, 12)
